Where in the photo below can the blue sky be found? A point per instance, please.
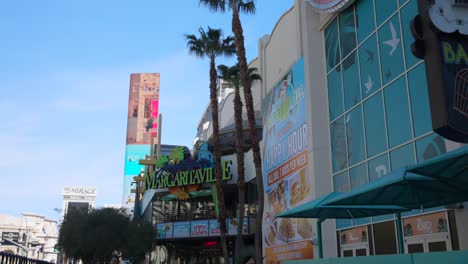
(64, 77)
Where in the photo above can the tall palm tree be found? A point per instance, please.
(231, 76)
(211, 44)
(245, 6)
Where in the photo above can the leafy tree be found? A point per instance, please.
(231, 76)
(97, 236)
(245, 6)
(211, 44)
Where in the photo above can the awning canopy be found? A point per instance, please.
(318, 208)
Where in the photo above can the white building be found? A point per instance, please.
(30, 235)
(78, 198)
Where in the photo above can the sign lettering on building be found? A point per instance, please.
(79, 191)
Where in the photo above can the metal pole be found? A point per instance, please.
(319, 238)
(401, 248)
(158, 151)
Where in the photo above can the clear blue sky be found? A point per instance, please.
(64, 77)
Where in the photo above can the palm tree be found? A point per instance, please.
(246, 6)
(211, 44)
(231, 76)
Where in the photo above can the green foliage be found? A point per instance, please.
(97, 236)
(177, 155)
(163, 160)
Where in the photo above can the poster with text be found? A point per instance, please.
(214, 228)
(181, 229)
(287, 178)
(199, 229)
(164, 230)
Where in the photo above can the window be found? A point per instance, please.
(370, 70)
(341, 182)
(384, 9)
(332, 45)
(376, 140)
(352, 92)
(358, 176)
(364, 18)
(397, 111)
(355, 136)
(391, 55)
(338, 143)
(347, 31)
(408, 12)
(429, 147)
(402, 156)
(419, 101)
(378, 167)
(335, 94)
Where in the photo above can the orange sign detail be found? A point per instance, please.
(296, 250)
(294, 164)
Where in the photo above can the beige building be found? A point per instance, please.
(30, 235)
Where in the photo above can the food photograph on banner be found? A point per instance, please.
(285, 168)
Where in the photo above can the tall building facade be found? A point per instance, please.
(142, 125)
(78, 198)
(345, 102)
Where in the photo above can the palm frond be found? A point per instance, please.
(214, 5)
(247, 7)
(195, 45)
(253, 75)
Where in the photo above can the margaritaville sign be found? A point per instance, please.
(180, 175)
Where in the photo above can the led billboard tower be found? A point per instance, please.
(142, 124)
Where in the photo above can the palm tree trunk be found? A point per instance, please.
(243, 69)
(240, 173)
(217, 157)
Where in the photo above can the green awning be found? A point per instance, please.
(318, 208)
(451, 167)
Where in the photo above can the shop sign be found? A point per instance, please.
(441, 39)
(286, 171)
(13, 236)
(329, 6)
(164, 230)
(355, 235)
(79, 191)
(296, 250)
(425, 224)
(199, 229)
(214, 228)
(181, 229)
(233, 223)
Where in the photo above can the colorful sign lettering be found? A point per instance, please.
(425, 224)
(199, 229)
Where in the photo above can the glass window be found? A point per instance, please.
(378, 167)
(384, 9)
(398, 118)
(355, 136)
(332, 45)
(384, 233)
(375, 125)
(364, 18)
(429, 147)
(335, 94)
(408, 12)
(391, 55)
(420, 108)
(358, 176)
(351, 88)
(347, 31)
(403, 156)
(338, 145)
(340, 182)
(370, 69)
(343, 223)
(402, 2)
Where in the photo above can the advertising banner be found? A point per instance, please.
(133, 153)
(291, 251)
(13, 236)
(164, 230)
(181, 229)
(214, 228)
(233, 223)
(285, 165)
(199, 229)
(425, 224)
(355, 235)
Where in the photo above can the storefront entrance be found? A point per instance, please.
(429, 244)
(355, 250)
(354, 242)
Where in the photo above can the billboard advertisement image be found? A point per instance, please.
(142, 125)
(286, 174)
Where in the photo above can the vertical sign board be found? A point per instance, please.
(285, 169)
(142, 125)
(441, 33)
